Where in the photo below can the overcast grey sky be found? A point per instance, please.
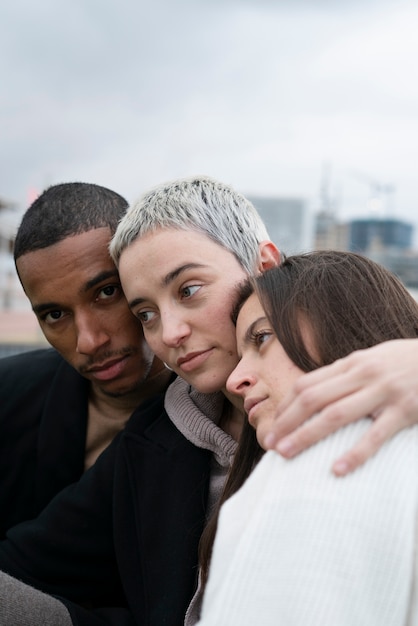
(258, 93)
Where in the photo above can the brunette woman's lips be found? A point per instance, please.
(193, 360)
(251, 405)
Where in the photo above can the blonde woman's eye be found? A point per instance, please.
(145, 316)
(190, 290)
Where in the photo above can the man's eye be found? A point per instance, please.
(108, 291)
(52, 316)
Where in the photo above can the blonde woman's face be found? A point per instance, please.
(181, 286)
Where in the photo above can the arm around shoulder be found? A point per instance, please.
(296, 545)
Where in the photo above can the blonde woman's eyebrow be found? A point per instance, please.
(168, 278)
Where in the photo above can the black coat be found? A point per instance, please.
(43, 420)
(137, 514)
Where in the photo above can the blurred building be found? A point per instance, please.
(383, 234)
(12, 296)
(19, 332)
(286, 220)
(19, 328)
(404, 265)
(386, 241)
(329, 233)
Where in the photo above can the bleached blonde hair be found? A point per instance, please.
(197, 203)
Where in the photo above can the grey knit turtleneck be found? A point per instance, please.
(196, 416)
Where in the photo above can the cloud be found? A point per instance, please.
(256, 92)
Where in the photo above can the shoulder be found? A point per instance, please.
(390, 478)
(30, 374)
(403, 448)
(348, 539)
(151, 426)
(34, 361)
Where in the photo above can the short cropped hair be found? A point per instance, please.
(201, 204)
(65, 210)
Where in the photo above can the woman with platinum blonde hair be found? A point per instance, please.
(182, 250)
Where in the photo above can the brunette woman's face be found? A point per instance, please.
(181, 286)
(264, 373)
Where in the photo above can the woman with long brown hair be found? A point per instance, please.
(296, 545)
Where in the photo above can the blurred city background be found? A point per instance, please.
(308, 107)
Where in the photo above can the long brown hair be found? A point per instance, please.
(349, 303)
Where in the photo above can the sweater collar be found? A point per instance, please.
(196, 415)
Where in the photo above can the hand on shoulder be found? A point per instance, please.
(381, 381)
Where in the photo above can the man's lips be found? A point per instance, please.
(108, 370)
(192, 360)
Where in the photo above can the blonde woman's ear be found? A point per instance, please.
(268, 256)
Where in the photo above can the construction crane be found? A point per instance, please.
(378, 191)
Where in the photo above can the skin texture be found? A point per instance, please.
(264, 373)
(75, 291)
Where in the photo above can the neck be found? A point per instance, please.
(121, 407)
(233, 416)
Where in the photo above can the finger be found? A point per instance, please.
(310, 402)
(352, 364)
(389, 423)
(333, 416)
(360, 366)
(309, 380)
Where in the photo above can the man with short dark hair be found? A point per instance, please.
(61, 408)
(125, 532)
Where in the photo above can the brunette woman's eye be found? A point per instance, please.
(261, 336)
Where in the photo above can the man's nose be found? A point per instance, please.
(91, 335)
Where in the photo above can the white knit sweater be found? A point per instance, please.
(298, 547)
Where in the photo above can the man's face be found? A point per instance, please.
(75, 292)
